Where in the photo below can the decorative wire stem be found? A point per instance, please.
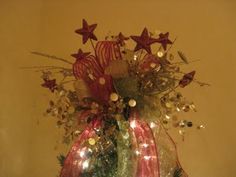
(92, 45)
(181, 63)
(171, 90)
(201, 83)
(194, 80)
(140, 56)
(48, 69)
(66, 82)
(159, 48)
(51, 56)
(171, 45)
(35, 67)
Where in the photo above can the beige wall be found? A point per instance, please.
(205, 30)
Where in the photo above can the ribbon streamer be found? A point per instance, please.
(126, 163)
(77, 159)
(147, 154)
(107, 51)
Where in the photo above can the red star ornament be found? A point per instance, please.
(87, 31)
(80, 55)
(144, 41)
(50, 84)
(121, 39)
(163, 39)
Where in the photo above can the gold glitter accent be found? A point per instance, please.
(71, 109)
(102, 80)
(182, 124)
(92, 141)
(160, 54)
(114, 97)
(132, 103)
(181, 132)
(167, 116)
(169, 104)
(91, 76)
(201, 127)
(186, 108)
(158, 68)
(77, 132)
(153, 65)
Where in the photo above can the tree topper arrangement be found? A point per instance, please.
(118, 104)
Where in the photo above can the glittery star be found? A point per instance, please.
(121, 39)
(163, 39)
(87, 31)
(144, 41)
(80, 55)
(50, 84)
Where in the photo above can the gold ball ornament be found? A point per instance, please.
(132, 103)
(160, 54)
(114, 97)
(92, 141)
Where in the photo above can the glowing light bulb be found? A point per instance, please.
(152, 125)
(137, 152)
(85, 164)
(133, 124)
(145, 145)
(82, 153)
(147, 157)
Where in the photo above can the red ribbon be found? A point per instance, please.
(146, 148)
(91, 69)
(76, 158)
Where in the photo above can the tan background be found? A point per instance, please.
(205, 30)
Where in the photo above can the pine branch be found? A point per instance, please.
(178, 172)
(61, 158)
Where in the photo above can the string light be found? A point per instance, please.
(147, 157)
(145, 145)
(133, 124)
(82, 153)
(85, 164)
(152, 125)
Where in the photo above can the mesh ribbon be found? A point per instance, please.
(77, 159)
(146, 148)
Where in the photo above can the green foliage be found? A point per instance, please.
(178, 172)
(61, 158)
(127, 86)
